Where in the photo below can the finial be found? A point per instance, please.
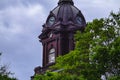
(65, 1)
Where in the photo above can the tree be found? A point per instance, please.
(97, 53)
(4, 73)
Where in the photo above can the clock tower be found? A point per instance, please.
(57, 36)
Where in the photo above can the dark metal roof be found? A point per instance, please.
(65, 12)
(64, 17)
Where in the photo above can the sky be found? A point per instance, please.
(21, 23)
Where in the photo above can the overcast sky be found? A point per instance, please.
(21, 23)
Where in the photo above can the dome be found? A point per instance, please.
(65, 13)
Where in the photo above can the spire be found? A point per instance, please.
(65, 1)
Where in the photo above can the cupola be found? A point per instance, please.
(57, 36)
(66, 14)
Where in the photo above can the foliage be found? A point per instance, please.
(4, 73)
(5, 77)
(57, 76)
(114, 78)
(97, 52)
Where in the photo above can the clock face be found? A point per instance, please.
(51, 20)
(79, 20)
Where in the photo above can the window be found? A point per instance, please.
(52, 55)
(79, 20)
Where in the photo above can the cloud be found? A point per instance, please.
(19, 29)
(7, 3)
(19, 20)
(97, 8)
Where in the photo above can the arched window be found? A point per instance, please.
(52, 55)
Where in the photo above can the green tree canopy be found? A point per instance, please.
(4, 73)
(97, 53)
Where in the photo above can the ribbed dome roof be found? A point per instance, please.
(65, 12)
(64, 18)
